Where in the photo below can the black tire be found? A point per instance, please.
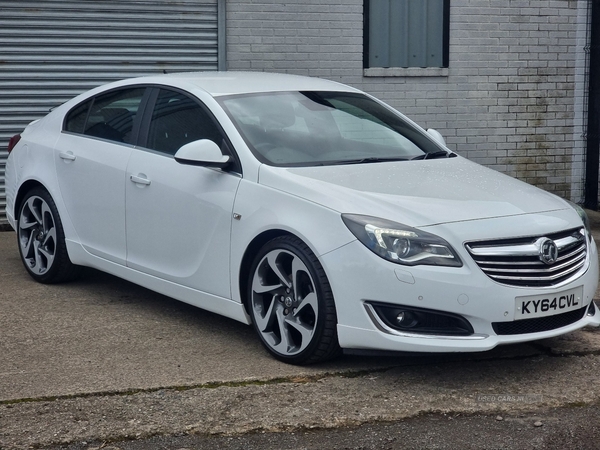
(41, 239)
(291, 303)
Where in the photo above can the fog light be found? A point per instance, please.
(592, 309)
(405, 319)
(420, 320)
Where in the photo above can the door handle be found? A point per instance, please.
(140, 179)
(67, 156)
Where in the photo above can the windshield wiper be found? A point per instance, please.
(435, 155)
(370, 159)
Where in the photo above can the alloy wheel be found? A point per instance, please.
(37, 235)
(284, 303)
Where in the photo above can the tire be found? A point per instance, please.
(291, 303)
(41, 239)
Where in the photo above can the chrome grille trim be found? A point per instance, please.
(548, 278)
(543, 268)
(530, 263)
(516, 262)
(520, 250)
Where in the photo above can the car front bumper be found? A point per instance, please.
(360, 278)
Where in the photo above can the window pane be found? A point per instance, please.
(359, 125)
(177, 120)
(321, 128)
(75, 120)
(112, 115)
(406, 33)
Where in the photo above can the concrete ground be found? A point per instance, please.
(104, 363)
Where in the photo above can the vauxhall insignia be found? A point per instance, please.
(548, 251)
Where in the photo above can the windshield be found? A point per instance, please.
(323, 128)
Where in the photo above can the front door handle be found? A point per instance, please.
(67, 156)
(140, 179)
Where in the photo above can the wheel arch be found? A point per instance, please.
(319, 340)
(22, 192)
(52, 261)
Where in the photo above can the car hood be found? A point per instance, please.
(416, 193)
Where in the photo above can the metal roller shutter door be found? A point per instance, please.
(51, 51)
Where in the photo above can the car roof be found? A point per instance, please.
(230, 83)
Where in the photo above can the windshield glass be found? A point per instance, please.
(323, 128)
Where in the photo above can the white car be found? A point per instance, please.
(307, 208)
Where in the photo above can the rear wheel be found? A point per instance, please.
(291, 303)
(42, 240)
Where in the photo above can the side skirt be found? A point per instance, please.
(209, 302)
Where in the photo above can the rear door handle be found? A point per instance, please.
(67, 156)
(140, 179)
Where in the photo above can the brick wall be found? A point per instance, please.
(512, 98)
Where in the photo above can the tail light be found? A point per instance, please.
(13, 141)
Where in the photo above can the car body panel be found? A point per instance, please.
(416, 193)
(236, 83)
(91, 178)
(320, 228)
(465, 291)
(179, 225)
(210, 302)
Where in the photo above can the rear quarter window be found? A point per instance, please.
(75, 121)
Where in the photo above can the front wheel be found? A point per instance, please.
(41, 239)
(291, 303)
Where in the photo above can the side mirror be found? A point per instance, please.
(437, 136)
(202, 153)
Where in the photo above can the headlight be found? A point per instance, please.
(401, 244)
(584, 217)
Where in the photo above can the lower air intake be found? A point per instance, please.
(539, 324)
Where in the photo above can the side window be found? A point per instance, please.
(108, 116)
(406, 33)
(111, 115)
(76, 118)
(177, 120)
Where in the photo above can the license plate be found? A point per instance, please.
(548, 304)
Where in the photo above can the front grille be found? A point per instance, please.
(538, 324)
(516, 262)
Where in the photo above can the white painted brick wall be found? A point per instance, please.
(513, 97)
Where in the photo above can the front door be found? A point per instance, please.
(178, 216)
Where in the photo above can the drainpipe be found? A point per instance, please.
(221, 35)
(593, 126)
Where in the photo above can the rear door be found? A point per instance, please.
(91, 158)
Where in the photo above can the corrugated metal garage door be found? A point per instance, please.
(51, 51)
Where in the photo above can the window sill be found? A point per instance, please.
(406, 72)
